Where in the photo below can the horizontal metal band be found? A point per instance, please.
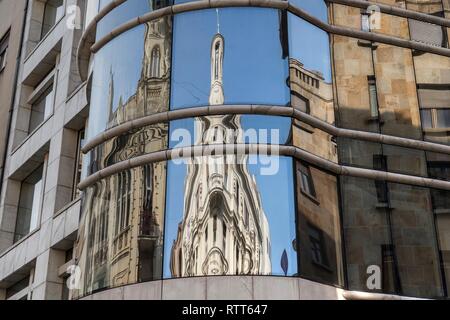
(89, 35)
(263, 149)
(395, 11)
(275, 4)
(263, 110)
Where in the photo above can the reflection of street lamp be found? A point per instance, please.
(284, 262)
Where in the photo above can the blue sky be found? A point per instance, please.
(254, 71)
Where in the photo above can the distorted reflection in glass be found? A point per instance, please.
(371, 155)
(319, 231)
(227, 219)
(129, 84)
(251, 65)
(230, 129)
(125, 12)
(311, 86)
(390, 226)
(131, 145)
(120, 237)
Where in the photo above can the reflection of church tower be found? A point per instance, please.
(224, 230)
(125, 211)
(216, 97)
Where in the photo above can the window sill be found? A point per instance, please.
(311, 197)
(28, 137)
(66, 207)
(436, 130)
(43, 39)
(382, 205)
(442, 211)
(16, 244)
(323, 266)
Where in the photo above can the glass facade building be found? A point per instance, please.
(301, 138)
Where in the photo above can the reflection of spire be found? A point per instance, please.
(218, 20)
(111, 94)
(216, 96)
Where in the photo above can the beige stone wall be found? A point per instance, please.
(406, 220)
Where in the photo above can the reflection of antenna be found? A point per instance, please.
(218, 20)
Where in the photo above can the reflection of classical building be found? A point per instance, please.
(317, 195)
(224, 228)
(125, 220)
(395, 91)
(311, 94)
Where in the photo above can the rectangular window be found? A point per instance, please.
(318, 250)
(373, 97)
(53, 12)
(441, 171)
(30, 203)
(18, 287)
(78, 164)
(3, 51)
(41, 109)
(380, 163)
(428, 33)
(365, 22)
(306, 181)
(435, 118)
(389, 271)
(427, 120)
(442, 118)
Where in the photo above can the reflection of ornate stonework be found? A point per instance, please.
(123, 219)
(317, 195)
(310, 93)
(224, 229)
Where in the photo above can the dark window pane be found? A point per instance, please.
(426, 119)
(443, 118)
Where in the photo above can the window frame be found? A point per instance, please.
(4, 45)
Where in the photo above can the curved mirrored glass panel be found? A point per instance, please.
(230, 129)
(124, 147)
(128, 84)
(226, 217)
(125, 12)
(120, 238)
(318, 225)
(229, 56)
(311, 85)
(390, 238)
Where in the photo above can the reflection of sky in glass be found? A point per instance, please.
(316, 8)
(261, 124)
(123, 13)
(309, 45)
(126, 67)
(277, 201)
(254, 71)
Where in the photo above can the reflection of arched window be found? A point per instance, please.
(199, 196)
(215, 228)
(123, 201)
(216, 60)
(155, 63)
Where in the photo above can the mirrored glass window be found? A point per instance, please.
(128, 84)
(318, 225)
(229, 56)
(389, 233)
(121, 232)
(125, 12)
(226, 218)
